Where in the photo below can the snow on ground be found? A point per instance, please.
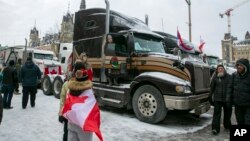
(41, 123)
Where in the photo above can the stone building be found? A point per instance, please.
(242, 48)
(66, 34)
(233, 50)
(34, 40)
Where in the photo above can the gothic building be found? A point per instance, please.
(232, 51)
(66, 35)
(241, 49)
(34, 37)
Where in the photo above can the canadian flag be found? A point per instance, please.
(182, 45)
(201, 46)
(83, 111)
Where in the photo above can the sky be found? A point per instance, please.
(41, 123)
(18, 17)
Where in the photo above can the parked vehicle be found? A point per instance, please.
(46, 61)
(149, 80)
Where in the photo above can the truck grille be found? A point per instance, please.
(201, 79)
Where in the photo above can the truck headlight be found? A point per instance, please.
(183, 89)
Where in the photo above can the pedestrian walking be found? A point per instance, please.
(219, 95)
(18, 70)
(9, 82)
(84, 118)
(241, 92)
(30, 75)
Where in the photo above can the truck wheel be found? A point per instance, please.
(46, 85)
(57, 86)
(148, 104)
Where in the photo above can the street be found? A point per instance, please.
(41, 124)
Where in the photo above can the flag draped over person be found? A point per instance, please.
(201, 46)
(182, 45)
(83, 111)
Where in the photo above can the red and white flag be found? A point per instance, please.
(182, 45)
(83, 111)
(201, 46)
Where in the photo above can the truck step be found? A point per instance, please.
(111, 100)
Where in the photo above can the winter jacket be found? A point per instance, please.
(241, 85)
(220, 88)
(30, 74)
(1, 108)
(9, 76)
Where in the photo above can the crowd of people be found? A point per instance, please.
(226, 91)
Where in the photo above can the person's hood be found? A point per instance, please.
(77, 87)
(245, 63)
(220, 65)
(29, 64)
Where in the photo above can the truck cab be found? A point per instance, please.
(148, 80)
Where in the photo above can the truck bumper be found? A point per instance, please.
(197, 102)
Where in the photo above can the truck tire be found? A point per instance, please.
(148, 104)
(57, 86)
(46, 85)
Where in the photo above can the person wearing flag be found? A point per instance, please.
(80, 107)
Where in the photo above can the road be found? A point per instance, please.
(40, 124)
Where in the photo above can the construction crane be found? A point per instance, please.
(228, 14)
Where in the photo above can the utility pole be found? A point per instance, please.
(189, 19)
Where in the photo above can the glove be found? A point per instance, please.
(61, 119)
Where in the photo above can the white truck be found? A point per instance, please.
(52, 74)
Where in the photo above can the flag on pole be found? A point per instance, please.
(201, 46)
(182, 45)
(83, 111)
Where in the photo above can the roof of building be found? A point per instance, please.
(243, 42)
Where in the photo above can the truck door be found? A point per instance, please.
(116, 54)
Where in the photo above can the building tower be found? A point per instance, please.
(66, 35)
(34, 37)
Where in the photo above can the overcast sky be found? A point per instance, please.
(17, 17)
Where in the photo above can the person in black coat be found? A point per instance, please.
(30, 75)
(241, 92)
(220, 96)
(9, 82)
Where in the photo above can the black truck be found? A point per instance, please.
(134, 70)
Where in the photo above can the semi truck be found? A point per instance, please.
(149, 80)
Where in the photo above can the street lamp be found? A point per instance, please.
(189, 19)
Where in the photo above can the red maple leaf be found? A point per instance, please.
(71, 100)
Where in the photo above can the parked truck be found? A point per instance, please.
(149, 80)
(52, 78)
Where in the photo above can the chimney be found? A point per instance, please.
(83, 5)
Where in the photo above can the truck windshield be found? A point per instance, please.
(212, 60)
(145, 43)
(43, 56)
